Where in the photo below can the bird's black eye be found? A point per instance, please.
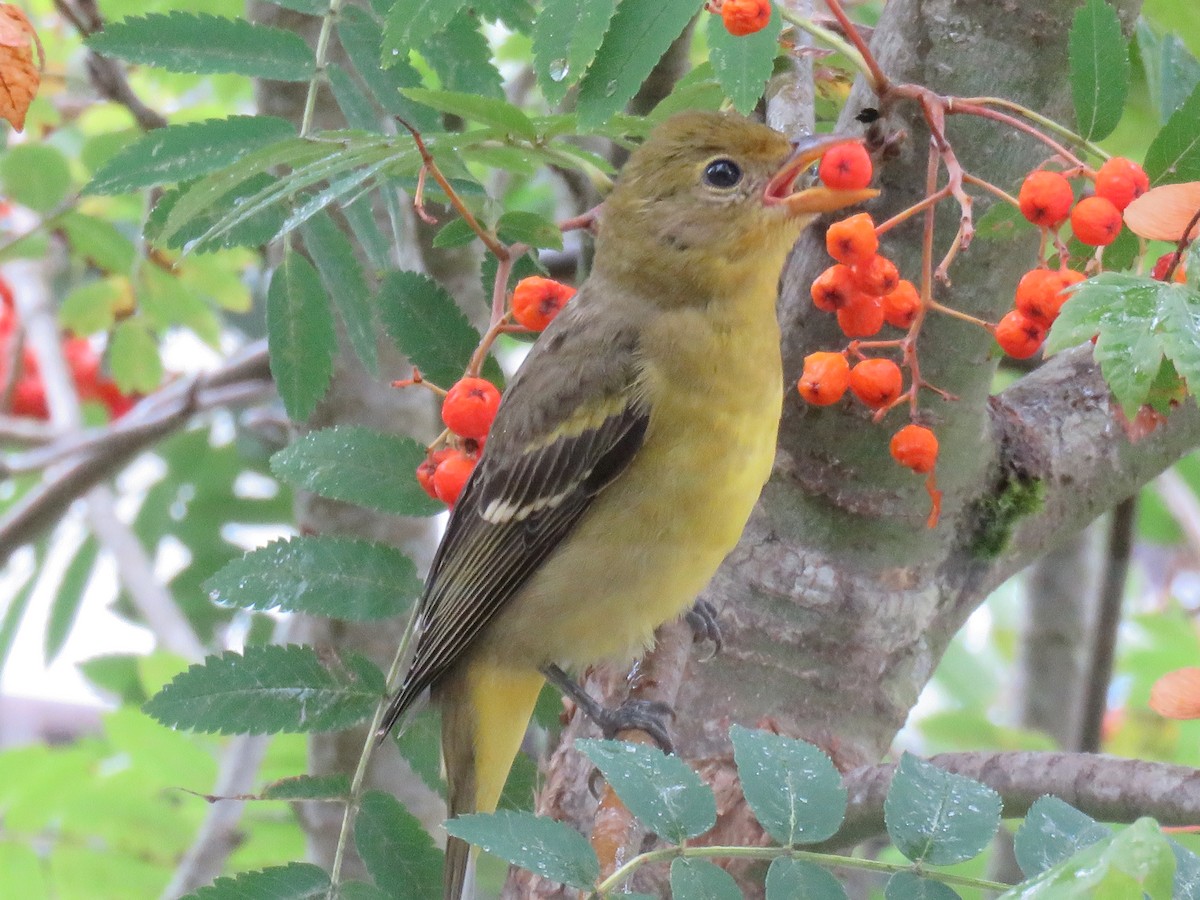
(722, 173)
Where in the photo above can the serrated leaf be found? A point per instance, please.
(541, 845)
(485, 110)
(295, 881)
(68, 598)
(420, 742)
(35, 175)
(699, 879)
(911, 886)
(1099, 69)
(792, 787)
(300, 335)
(320, 575)
(182, 152)
(409, 22)
(200, 44)
(187, 235)
(938, 817)
(398, 852)
(166, 300)
(743, 64)
(133, 358)
(1051, 832)
(455, 233)
(308, 787)
(352, 99)
(429, 328)
(462, 59)
(795, 879)
(360, 466)
(98, 241)
(271, 689)
(566, 36)
(529, 228)
(640, 33)
(363, 40)
(346, 284)
(1174, 154)
(1172, 72)
(663, 791)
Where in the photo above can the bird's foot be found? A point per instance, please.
(706, 628)
(648, 716)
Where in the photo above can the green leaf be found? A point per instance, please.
(420, 742)
(35, 175)
(794, 879)
(300, 335)
(182, 152)
(201, 44)
(1051, 832)
(270, 689)
(362, 39)
(398, 852)
(100, 242)
(308, 787)
(360, 466)
(346, 284)
(166, 300)
(485, 110)
(566, 36)
(118, 675)
(529, 228)
(640, 33)
(295, 881)
(792, 787)
(91, 306)
(911, 886)
(663, 791)
(462, 59)
(743, 64)
(1187, 874)
(188, 235)
(323, 576)
(455, 233)
(69, 598)
(133, 357)
(1172, 72)
(16, 607)
(409, 22)
(429, 328)
(541, 845)
(1099, 69)
(699, 879)
(937, 817)
(1174, 154)
(352, 99)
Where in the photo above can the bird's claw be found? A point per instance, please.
(702, 618)
(648, 716)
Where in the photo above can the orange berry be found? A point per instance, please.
(1163, 263)
(1018, 335)
(852, 240)
(901, 305)
(860, 316)
(537, 300)
(916, 447)
(876, 382)
(1096, 221)
(845, 167)
(833, 288)
(428, 467)
(742, 17)
(876, 276)
(825, 378)
(1038, 297)
(470, 406)
(1046, 198)
(1121, 181)
(451, 476)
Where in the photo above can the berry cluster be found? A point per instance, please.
(21, 390)
(470, 405)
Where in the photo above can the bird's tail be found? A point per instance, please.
(485, 711)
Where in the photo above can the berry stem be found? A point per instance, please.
(976, 109)
(865, 63)
(1181, 247)
(905, 214)
(959, 314)
(991, 189)
(880, 83)
(1044, 121)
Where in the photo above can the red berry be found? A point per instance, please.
(428, 467)
(901, 305)
(110, 395)
(876, 276)
(845, 167)
(451, 476)
(833, 288)
(536, 301)
(470, 406)
(1018, 335)
(825, 379)
(876, 382)
(1121, 181)
(916, 447)
(1046, 198)
(1096, 221)
(84, 363)
(852, 240)
(1163, 263)
(861, 315)
(1038, 296)
(29, 398)
(742, 17)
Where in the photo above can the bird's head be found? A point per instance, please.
(711, 187)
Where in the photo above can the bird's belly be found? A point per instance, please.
(653, 540)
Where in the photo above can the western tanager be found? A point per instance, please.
(628, 450)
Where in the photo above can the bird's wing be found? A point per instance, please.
(559, 438)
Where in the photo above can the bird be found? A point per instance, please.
(628, 450)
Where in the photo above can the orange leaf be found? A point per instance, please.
(1177, 694)
(15, 30)
(1162, 213)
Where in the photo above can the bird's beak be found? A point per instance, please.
(818, 198)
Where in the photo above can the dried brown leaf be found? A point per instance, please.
(1177, 694)
(19, 76)
(1162, 213)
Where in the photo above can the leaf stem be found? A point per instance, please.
(314, 83)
